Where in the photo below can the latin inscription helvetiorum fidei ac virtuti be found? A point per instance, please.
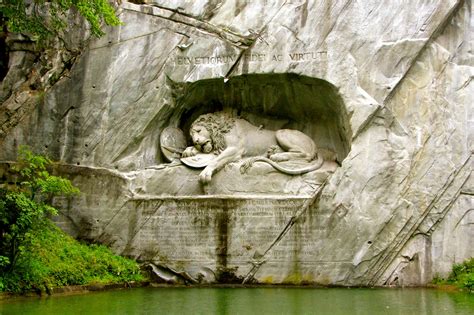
(312, 56)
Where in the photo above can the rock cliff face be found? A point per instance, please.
(386, 87)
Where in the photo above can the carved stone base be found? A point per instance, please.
(261, 179)
(224, 235)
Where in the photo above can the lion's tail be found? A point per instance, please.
(290, 171)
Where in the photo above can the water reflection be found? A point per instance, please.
(228, 301)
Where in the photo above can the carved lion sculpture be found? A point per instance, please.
(232, 139)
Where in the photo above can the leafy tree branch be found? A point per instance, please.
(26, 203)
(41, 19)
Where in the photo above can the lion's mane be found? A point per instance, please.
(218, 124)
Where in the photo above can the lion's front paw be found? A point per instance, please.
(279, 157)
(190, 151)
(273, 149)
(206, 175)
(246, 165)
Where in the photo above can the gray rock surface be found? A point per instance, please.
(386, 86)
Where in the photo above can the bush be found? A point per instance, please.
(462, 275)
(25, 203)
(54, 259)
(34, 253)
(42, 19)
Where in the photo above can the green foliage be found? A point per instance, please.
(42, 19)
(26, 203)
(438, 280)
(54, 259)
(35, 254)
(462, 275)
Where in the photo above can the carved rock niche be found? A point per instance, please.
(269, 102)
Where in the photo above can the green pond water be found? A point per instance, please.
(248, 301)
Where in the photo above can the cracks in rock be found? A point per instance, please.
(236, 63)
(467, 193)
(427, 171)
(133, 138)
(168, 56)
(426, 235)
(462, 218)
(350, 273)
(364, 126)
(451, 14)
(106, 225)
(131, 38)
(442, 214)
(333, 25)
(257, 35)
(260, 260)
(414, 163)
(441, 27)
(426, 21)
(355, 155)
(130, 239)
(393, 277)
(178, 10)
(457, 179)
(135, 230)
(155, 119)
(178, 16)
(210, 9)
(92, 144)
(190, 73)
(295, 35)
(124, 116)
(34, 80)
(465, 84)
(412, 226)
(11, 118)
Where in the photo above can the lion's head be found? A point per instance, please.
(208, 130)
